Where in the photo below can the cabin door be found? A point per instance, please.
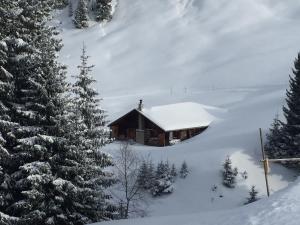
(131, 133)
(140, 136)
(162, 140)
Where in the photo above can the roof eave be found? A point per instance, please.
(187, 128)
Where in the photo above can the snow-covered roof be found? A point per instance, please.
(179, 116)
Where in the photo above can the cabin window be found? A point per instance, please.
(183, 134)
(176, 134)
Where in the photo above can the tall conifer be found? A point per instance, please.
(80, 164)
(291, 128)
(81, 15)
(283, 139)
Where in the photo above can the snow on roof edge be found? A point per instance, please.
(185, 115)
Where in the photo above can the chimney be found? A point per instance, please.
(140, 107)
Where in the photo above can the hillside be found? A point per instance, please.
(185, 43)
(234, 56)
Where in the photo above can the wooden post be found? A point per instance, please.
(265, 161)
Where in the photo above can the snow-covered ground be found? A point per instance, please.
(281, 209)
(233, 55)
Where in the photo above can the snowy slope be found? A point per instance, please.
(281, 209)
(151, 45)
(234, 55)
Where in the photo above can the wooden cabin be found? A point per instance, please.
(161, 125)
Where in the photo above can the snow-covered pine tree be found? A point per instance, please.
(6, 127)
(6, 96)
(184, 171)
(41, 147)
(80, 164)
(60, 4)
(70, 9)
(275, 141)
(163, 183)
(151, 175)
(32, 58)
(103, 10)
(7, 16)
(143, 175)
(93, 115)
(252, 195)
(24, 97)
(167, 169)
(229, 174)
(291, 128)
(81, 15)
(173, 173)
(72, 193)
(160, 169)
(146, 176)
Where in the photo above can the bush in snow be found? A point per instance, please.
(252, 195)
(229, 174)
(163, 180)
(244, 175)
(159, 181)
(214, 188)
(184, 171)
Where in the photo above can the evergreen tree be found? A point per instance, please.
(173, 173)
(291, 128)
(252, 195)
(143, 175)
(81, 15)
(103, 10)
(86, 98)
(229, 174)
(160, 170)
(38, 103)
(184, 170)
(60, 4)
(6, 127)
(53, 175)
(275, 141)
(38, 108)
(70, 8)
(146, 176)
(8, 16)
(82, 180)
(6, 95)
(151, 175)
(163, 183)
(8, 19)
